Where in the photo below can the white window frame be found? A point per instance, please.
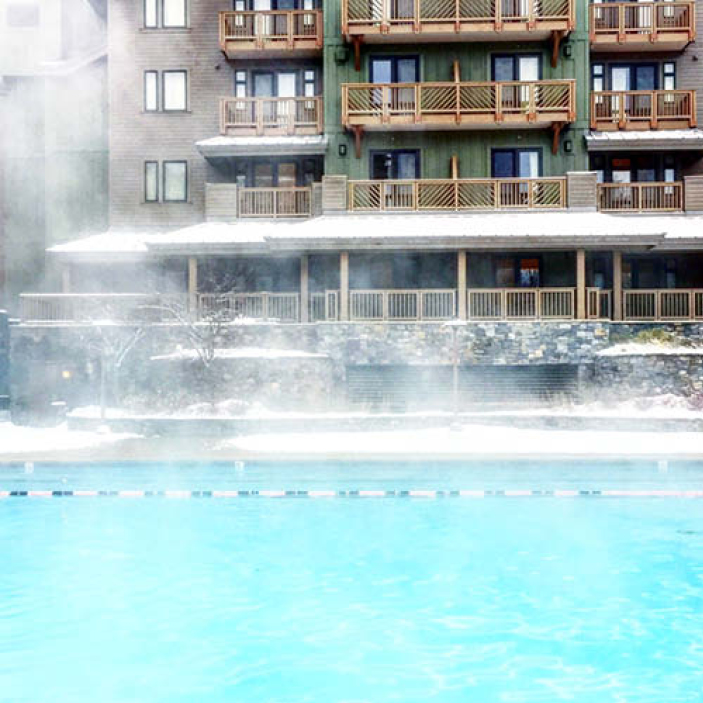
(164, 92)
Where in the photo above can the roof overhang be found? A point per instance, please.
(222, 147)
(671, 140)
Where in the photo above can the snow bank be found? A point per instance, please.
(472, 440)
(241, 353)
(641, 349)
(15, 439)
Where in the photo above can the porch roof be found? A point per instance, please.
(262, 146)
(644, 140)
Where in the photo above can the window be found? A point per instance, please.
(240, 84)
(669, 75)
(597, 77)
(167, 14)
(516, 163)
(151, 91)
(394, 69)
(175, 181)
(517, 67)
(174, 91)
(309, 84)
(174, 13)
(398, 164)
(151, 181)
(22, 14)
(516, 271)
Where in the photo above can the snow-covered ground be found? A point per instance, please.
(15, 439)
(467, 440)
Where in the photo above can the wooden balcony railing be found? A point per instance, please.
(640, 197)
(458, 195)
(281, 307)
(520, 303)
(402, 304)
(271, 33)
(61, 308)
(599, 304)
(275, 202)
(452, 105)
(676, 304)
(324, 306)
(643, 109)
(454, 18)
(270, 116)
(653, 26)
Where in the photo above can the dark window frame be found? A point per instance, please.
(632, 65)
(156, 87)
(147, 199)
(163, 177)
(394, 58)
(516, 58)
(185, 89)
(394, 166)
(517, 151)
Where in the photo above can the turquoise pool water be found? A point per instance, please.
(344, 600)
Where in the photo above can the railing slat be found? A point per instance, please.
(275, 202)
(640, 197)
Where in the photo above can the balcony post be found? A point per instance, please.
(580, 284)
(461, 283)
(192, 284)
(304, 288)
(617, 286)
(344, 286)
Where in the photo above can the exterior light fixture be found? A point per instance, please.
(342, 150)
(568, 51)
(568, 146)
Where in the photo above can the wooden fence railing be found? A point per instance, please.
(626, 21)
(271, 116)
(402, 304)
(274, 29)
(643, 109)
(379, 104)
(275, 202)
(458, 194)
(392, 16)
(599, 304)
(674, 304)
(520, 303)
(324, 306)
(283, 307)
(640, 197)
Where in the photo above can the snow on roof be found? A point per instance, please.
(212, 234)
(110, 242)
(224, 146)
(672, 138)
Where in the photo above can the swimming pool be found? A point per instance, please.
(341, 600)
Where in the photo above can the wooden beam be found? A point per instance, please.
(557, 36)
(617, 286)
(556, 131)
(304, 288)
(580, 284)
(344, 286)
(356, 43)
(192, 284)
(454, 166)
(358, 132)
(461, 284)
(457, 71)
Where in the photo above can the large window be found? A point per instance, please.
(174, 91)
(169, 95)
(516, 163)
(401, 164)
(394, 69)
(175, 181)
(517, 67)
(165, 14)
(635, 168)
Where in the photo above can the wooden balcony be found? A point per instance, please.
(272, 34)
(521, 303)
(458, 195)
(402, 304)
(640, 197)
(643, 110)
(671, 304)
(274, 202)
(270, 116)
(416, 21)
(439, 106)
(278, 307)
(642, 26)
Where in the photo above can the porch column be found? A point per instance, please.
(304, 295)
(461, 283)
(65, 279)
(617, 285)
(344, 286)
(192, 284)
(580, 284)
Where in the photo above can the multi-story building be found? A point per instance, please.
(53, 133)
(402, 161)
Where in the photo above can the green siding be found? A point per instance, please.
(436, 64)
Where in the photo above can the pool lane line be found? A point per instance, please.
(421, 494)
